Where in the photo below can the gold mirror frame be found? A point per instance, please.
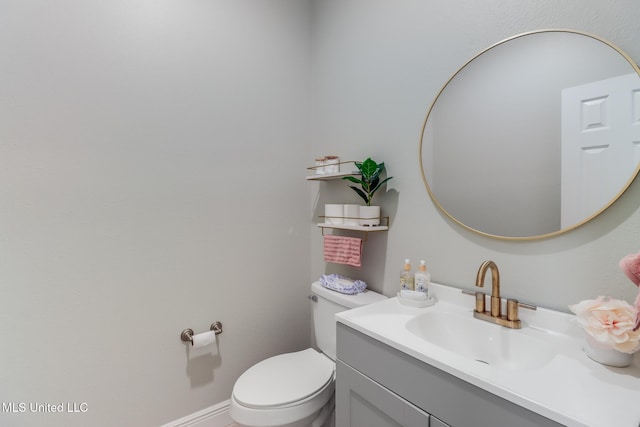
(535, 237)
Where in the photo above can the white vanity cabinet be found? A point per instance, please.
(377, 385)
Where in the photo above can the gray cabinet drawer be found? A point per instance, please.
(434, 422)
(362, 402)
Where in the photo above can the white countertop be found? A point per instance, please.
(570, 389)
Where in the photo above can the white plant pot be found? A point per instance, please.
(352, 214)
(369, 215)
(606, 355)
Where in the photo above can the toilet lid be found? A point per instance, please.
(284, 379)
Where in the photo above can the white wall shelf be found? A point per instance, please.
(330, 176)
(362, 228)
(355, 227)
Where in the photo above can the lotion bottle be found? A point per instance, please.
(422, 278)
(406, 278)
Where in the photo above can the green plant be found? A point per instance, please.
(369, 180)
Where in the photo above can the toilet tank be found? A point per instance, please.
(328, 304)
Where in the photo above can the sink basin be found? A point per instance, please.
(484, 342)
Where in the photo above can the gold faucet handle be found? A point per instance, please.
(512, 309)
(480, 302)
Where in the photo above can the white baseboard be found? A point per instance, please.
(213, 416)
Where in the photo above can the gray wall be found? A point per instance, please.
(142, 191)
(152, 161)
(377, 67)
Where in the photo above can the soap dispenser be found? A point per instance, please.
(422, 278)
(406, 278)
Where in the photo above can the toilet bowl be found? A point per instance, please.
(297, 389)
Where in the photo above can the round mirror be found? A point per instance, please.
(534, 136)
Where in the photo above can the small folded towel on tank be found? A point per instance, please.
(342, 284)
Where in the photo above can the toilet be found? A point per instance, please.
(296, 389)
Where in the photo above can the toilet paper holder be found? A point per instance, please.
(187, 334)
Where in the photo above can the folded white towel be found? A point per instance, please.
(413, 295)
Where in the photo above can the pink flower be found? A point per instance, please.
(637, 305)
(611, 322)
(630, 266)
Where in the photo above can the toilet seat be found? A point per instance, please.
(287, 390)
(284, 380)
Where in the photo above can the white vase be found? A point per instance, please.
(605, 354)
(369, 215)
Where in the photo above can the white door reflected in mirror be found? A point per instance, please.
(600, 144)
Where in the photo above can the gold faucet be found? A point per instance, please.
(494, 315)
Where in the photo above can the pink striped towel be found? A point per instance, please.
(343, 250)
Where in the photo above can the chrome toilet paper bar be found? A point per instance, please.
(187, 334)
